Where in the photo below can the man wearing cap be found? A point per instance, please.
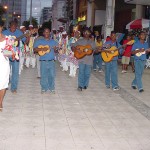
(85, 63)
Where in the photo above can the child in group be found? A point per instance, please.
(126, 54)
(97, 56)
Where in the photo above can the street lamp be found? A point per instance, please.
(6, 8)
(31, 12)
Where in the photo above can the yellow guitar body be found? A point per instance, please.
(108, 56)
(42, 53)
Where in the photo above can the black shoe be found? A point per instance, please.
(141, 90)
(85, 87)
(134, 87)
(79, 88)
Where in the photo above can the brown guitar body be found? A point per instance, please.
(42, 53)
(84, 50)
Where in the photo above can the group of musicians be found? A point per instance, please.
(85, 63)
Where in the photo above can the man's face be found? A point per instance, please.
(86, 34)
(142, 36)
(61, 29)
(13, 28)
(77, 34)
(23, 29)
(113, 36)
(64, 36)
(46, 33)
(30, 28)
(129, 38)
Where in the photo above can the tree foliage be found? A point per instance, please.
(47, 24)
(2, 10)
(27, 23)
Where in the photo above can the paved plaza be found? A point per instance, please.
(95, 119)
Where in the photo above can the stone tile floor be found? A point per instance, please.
(95, 119)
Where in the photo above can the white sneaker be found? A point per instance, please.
(95, 69)
(116, 89)
(100, 70)
(123, 71)
(52, 91)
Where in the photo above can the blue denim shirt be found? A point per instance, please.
(139, 45)
(116, 44)
(51, 43)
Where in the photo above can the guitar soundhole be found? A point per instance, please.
(86, 50)
(112, 52)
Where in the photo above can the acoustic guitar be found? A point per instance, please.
(141, 53)
(16, 39)
(82, 51)
(109, 54)
(42, 53)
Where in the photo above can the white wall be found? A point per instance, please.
(100, 17)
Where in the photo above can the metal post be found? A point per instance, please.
(31, 12)
(13, 9)
(7, 13)
(7, 19)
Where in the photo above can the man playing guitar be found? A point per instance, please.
(85, 63)
(47, 61)
(139, 50)
(111, 67)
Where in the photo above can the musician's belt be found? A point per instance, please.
(48, 60)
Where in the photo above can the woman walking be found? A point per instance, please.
(4, 67)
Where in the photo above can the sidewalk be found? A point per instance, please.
(95, 119)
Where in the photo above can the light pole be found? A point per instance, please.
(31, 12)
(6, 8)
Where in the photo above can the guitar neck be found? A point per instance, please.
(20, 37)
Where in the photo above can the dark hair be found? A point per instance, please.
(1, 23)
(13, 23)
(141, 32)
(44, 28)
(86, 29)
(128, 35)
(98, 37)
(113, 32)
(40, 31)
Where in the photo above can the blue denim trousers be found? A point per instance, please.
(111, 73)
(139, 69)
(97, 61)
(15, 74)
(84, 75)
(47, 69)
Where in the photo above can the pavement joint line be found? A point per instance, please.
(136, 103)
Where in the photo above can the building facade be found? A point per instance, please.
(108, 15)
(46, 14)
(58, 14)
(101, 15)
(16, 9)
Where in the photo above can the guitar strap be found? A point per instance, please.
(117, 47)
(116, 44)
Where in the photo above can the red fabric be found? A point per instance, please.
(108, 39)
(137, 24)
(127, 51)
